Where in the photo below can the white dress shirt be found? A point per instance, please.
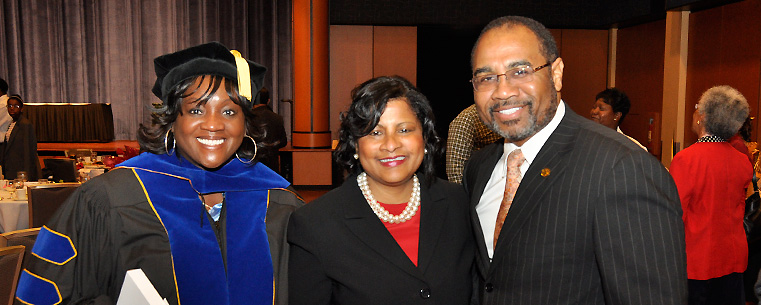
(491, 199)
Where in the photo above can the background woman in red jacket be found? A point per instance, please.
(711, 177)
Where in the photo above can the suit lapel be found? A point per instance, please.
(547, 168)
(432, 217)
(492, 154)
(13, 134)
(10, 138)
(361, 220)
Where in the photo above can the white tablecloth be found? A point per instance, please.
(14, 215)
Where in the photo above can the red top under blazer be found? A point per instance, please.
(711, 178)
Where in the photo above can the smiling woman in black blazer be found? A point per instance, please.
(392, 233)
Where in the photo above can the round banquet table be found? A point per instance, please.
(14, 215)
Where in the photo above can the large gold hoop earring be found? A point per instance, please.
(166, 143)
(256, 149)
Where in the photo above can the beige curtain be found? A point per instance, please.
(101, 51)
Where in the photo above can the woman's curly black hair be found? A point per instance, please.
(369, 101)
(152, 138)
(618, 101)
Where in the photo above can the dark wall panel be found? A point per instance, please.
(695, 5)
(639, 73)
(724, 50)
(443, 74)
(585, 55)
(570, 14)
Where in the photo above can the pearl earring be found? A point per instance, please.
(425, 151)
(356, 157)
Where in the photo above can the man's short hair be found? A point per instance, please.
(547, 44)
(264, 96)
(3, 86)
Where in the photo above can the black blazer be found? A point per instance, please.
(595, 220)
(341, 253)
(19, 152)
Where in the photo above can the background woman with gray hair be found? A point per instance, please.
(711, 177)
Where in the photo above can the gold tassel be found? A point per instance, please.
(244, 75)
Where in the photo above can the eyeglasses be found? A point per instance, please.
(13, 106)
(519, 75)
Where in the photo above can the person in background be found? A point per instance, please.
(392, 233)
(750, 276)
(5, 118)
(466, 134)
(565, 211)
(19, 150)
(711, 177)
(195, 212)
(610, 109)
(741, 139)
(274, 127)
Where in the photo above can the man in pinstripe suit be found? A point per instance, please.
(595, 220)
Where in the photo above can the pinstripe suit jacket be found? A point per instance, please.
(604, 227)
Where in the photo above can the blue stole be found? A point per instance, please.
(172, 186)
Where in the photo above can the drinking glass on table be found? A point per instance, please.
(4, 189)
(83, 176)
(17, 185)
(21, 175)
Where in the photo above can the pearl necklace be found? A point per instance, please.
(385, 216)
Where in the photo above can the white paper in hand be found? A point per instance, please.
(138, 290)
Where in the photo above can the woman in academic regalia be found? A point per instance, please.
(196, 212)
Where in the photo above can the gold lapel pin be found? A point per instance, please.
(545, 172)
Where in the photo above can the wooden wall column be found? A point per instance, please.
(674, 84)
(311, 102)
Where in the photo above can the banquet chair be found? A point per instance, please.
(62, 169)
(44, 200)
(10, 270)
(25, 237)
